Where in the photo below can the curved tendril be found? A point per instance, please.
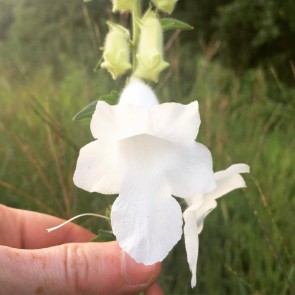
(75, 217)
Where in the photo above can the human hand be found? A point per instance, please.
(62, 262)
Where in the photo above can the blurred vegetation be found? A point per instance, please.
(48, 50)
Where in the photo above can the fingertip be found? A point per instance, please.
(138, 273)
(154, 289)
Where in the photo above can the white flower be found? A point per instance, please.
(146, 152)
(201, 205)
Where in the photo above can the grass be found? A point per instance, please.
(247, 243)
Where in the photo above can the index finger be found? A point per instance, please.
(27, 230)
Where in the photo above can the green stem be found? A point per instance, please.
(136, 14)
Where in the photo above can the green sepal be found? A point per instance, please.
(104, 236)
(88, 111)
(174, 24)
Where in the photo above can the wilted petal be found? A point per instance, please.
(191, 243)
(201, 205)
(146, 221)
(176, 122)
(98, 168)
(227, 181)
(191, 173)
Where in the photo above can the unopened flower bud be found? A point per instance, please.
(165, 5)
(116, 53)
(150, 49)
(123, 5)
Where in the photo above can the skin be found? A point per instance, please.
(63, 262)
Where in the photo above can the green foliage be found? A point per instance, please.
(88, 111)
(104, 236)
(174, 24)
(250, 33)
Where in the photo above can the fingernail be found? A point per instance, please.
(137, 273)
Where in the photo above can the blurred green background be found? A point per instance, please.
(238, 63)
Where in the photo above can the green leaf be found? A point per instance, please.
(173, 24)
(104, 236)
(88, 111)
(97, 66)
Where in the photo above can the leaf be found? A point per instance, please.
(173, 24)
(104, 236)
(96, 68)
(88, 111)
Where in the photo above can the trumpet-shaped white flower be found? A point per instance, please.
(146, 152)
(201, 205)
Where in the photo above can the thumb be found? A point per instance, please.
(78, 268)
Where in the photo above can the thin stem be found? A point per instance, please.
(136, 14)
(78, 216)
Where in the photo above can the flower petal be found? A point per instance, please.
(227, 181)
(98, 168)
(138, 113)
(138, 93)
(145, 218)
(176, 122)
(191, 173)
(146, 221)
(191, 240)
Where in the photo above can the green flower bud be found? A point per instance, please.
(165, 5)
(116, 53)
(123, 5)
(150, 49)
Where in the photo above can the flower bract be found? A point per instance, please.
(146, 152)
(165, 5)
(123, 5)
(116, 53)
(149, 56)
(201, 205)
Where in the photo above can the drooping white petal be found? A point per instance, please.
(98, 168)
(146, 219)
(176, 122)
(191, 243)
(201, 205)
(227, 181)
(146, 222)
(191, 172)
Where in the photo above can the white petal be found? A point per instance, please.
(146, 221)
(171, 121)
(98, 168)
(103, 124)
(176, 122)
(227, 181)
(191, 240)
(145, 218)
(138, 93)
(191, 172)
